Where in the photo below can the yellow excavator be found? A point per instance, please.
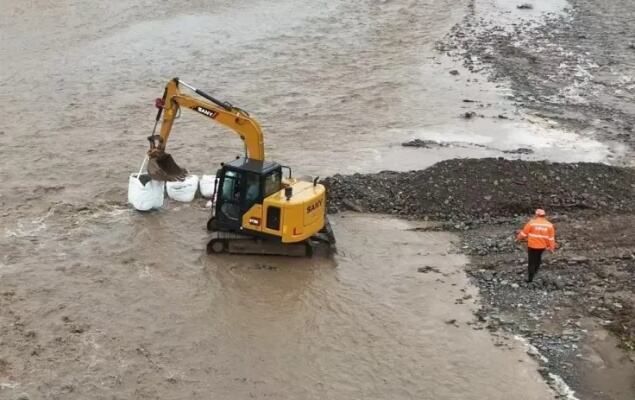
(256, 209)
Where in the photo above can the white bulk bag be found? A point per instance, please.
(145, 193)
(184, 190)
(207, 185)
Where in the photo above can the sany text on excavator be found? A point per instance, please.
(257, 210)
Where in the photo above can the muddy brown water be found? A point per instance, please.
(336, 85)
(126, 318)
(98, 301)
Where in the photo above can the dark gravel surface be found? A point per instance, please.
(470, 190)
(588, 284)
(576, 68)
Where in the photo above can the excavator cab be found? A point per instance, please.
(242, 184)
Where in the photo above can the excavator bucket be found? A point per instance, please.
(164, 168)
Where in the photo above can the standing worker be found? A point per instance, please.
(540, 235)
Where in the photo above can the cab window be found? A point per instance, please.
(231, 186)
(252, 193)
(273, 182)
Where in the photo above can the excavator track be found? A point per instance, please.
(235, 243)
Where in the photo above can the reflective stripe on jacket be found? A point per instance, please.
(540, 234)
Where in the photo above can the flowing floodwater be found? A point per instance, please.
(337, 86)
(98, 301)
(150, 316)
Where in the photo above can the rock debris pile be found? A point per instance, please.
(484, 189)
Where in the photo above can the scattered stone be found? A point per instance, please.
(520, 150)
(454, 72)
(267, 267)
(427, 269)
(426, 144)
(525, 6)
(68, 388)
(351, 205)
(487, 276)
(4, 367)
(77, 328)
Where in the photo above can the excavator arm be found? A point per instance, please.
(161, 165)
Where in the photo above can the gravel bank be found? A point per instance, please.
(574, 68)
(584, 289)
(469, 190)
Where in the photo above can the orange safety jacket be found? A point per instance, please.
(540, 234)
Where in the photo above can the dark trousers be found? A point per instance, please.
(535, 257)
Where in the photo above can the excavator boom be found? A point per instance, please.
(161, 165)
